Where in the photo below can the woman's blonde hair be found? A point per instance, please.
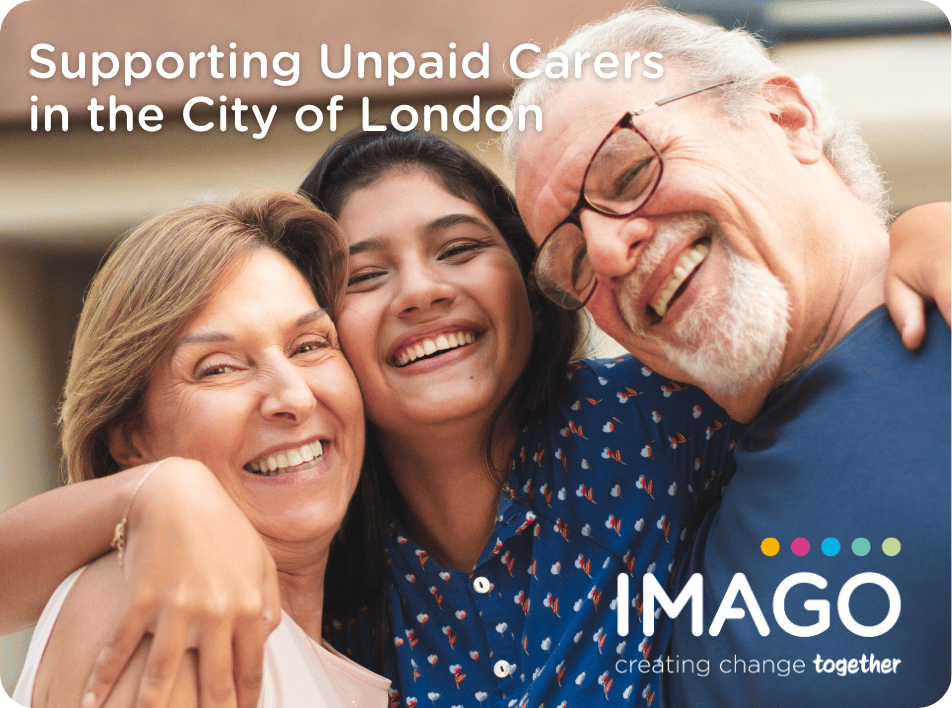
(158, 278)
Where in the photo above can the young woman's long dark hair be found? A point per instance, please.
(356, 575)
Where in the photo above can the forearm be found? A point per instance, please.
(47, 537)
(196, 575)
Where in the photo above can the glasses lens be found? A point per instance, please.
(623, 173)
(562, 271)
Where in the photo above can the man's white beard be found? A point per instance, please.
(734, 337)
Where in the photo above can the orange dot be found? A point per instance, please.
(770, 546)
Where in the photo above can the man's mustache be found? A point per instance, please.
(669, 231)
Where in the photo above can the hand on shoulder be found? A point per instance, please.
(78, 636)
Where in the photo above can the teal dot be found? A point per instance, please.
(830, 546)
(861, 546)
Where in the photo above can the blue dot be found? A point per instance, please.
(830, 546)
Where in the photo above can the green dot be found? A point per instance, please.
(861, 546)
(891, 546)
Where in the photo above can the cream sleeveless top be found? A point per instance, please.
(297, 670)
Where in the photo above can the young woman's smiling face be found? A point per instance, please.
(436, 320)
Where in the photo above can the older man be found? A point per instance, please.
(723, 226)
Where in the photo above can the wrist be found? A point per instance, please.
(119, 535)
(174, 494)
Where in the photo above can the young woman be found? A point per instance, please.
(501, 551)
(515, 490)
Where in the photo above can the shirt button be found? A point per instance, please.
(502, 668)
(482, 586)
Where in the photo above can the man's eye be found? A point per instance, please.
(632, 182)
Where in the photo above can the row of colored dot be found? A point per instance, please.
(830, 546)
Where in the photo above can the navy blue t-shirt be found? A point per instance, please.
(847, 468)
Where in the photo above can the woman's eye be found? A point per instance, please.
(363, 278)
(312, 346)
(460, 251)
(214, 370)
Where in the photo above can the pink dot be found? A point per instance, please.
(800, 547)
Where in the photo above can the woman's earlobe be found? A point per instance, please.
(125, 444)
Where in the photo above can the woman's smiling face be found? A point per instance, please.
(436, 320)
(258, 390)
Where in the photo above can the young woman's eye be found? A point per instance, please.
(363, 278)
(461, 250)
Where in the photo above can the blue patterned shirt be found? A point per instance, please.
(615, 481)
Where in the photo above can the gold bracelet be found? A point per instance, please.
(119, 537)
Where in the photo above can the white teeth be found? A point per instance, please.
(682, 269)
(279, 462)
(430, 346)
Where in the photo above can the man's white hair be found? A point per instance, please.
(708, 54)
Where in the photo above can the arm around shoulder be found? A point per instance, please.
(78, 635)
(65, 528)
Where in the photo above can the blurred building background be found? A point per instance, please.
(65, 196)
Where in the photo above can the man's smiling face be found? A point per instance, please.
(699, 282)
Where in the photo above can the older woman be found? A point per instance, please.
(207, 335)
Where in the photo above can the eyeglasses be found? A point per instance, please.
(620, 178)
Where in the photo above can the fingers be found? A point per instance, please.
(907, 309)
(216, 677)
(162, 666)
(944, 301)
(271, 597)
(249, 658)
(124, 638)
(250, 636)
